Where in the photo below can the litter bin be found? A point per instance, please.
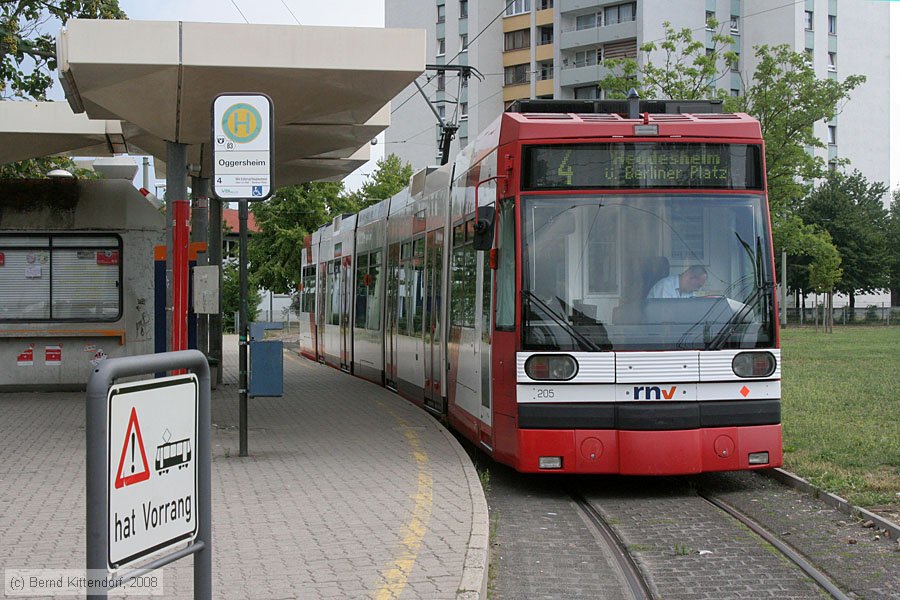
(266, 362)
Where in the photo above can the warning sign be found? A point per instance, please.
(152, 499)
(133, 441)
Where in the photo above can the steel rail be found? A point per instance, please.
(634, 578)
(795, 557)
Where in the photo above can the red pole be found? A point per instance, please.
(180, 242)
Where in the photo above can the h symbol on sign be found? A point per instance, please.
(245, 121)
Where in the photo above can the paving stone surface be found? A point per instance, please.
(349, 491)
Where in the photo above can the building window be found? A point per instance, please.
(441, 82)
(808, 20)
(463, 9)
(588, 92)
(589, 21)
(735, 24)
(546, 35)
(546, 70)
(442, 112)
(463, 42)
(620, 13)
(736, 65)
(832, 24)
(710, 19)
(587, 58)
(441, 46)
(832, 61)
(60, 277)
(809, 56)
(832, 135)
(517, 40)
(441, 13)
(463, 141)
(463, 110)
(516, 75)
(544, 4)
(735, 93)
(517, 7)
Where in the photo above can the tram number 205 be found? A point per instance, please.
(544, 392)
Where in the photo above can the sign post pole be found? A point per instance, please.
(242, 141)
(243, 384)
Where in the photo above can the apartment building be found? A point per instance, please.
(555, 49)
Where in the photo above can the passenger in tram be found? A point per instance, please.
(680, 286)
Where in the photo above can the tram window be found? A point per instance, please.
(373, 304)
(403, 298)
(459, 235)
(486, 297)
(417, 281)
(362, 293)
(308, 295)
(505, 319)
(462, 281)
(334, 307)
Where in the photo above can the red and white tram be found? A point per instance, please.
(580, 292)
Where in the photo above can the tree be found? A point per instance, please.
(816, 263)
(787, 98)
(893, 245)
(850, 209)
(28, 50)
(37, 168)
(688, 71)
(28, 59)
(390, 176)
(295, 212)
(231, 296)
(284, 221)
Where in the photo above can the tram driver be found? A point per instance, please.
(680, 286)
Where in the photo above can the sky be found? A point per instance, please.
(349, 13)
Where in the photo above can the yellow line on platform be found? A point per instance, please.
(396, 574)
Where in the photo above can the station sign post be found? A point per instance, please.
(242, 143)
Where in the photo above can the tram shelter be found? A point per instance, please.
(146, 87)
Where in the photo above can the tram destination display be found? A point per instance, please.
(643, 165)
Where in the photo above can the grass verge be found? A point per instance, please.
(841, 411)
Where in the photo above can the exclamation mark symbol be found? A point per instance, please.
(132, 452)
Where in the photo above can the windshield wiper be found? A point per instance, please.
(567, 327)
(761, 289)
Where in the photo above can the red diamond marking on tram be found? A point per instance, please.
(745, 391)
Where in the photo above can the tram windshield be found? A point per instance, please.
(646, 272)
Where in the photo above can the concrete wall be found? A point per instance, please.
(70, 206)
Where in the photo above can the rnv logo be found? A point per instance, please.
(655, 391)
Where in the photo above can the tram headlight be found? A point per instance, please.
(551, 367)
(753, 364)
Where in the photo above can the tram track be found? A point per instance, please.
(819, 577)
(629, 570)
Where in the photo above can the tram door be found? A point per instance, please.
(391, 332)
(483, 343)
(324, 296)
(346, 289)
(434, 241)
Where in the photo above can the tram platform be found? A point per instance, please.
(349, 492)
